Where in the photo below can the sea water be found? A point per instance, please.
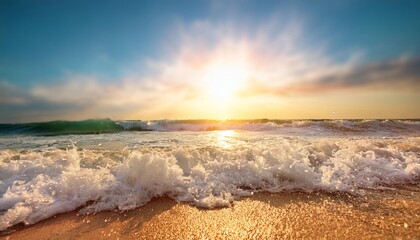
(96, 165)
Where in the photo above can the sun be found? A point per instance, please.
(224, 78)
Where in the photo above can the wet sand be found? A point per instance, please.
(388, 214)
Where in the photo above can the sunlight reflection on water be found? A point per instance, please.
(225, 138)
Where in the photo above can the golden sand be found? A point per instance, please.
(387, 214)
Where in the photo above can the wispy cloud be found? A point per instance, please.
(276, 59)
(401, 74)
(12, 95)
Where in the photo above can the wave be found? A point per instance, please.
(35, 185)
(54, 128)
(108, 126)
(337, 126)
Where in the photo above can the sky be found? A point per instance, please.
(238, 59)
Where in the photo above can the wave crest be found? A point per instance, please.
(54, 128)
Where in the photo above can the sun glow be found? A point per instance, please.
(224, 78)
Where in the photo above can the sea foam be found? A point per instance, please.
(208, 171)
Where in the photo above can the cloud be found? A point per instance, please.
(12, 95)
(281, 63)
(401, 74)
(276, 58)
(404, 72)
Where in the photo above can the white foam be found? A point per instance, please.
(39, 184)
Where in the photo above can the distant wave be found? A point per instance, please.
(97, 126)
(300, 127)
(272, 124)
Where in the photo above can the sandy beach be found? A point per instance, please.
(387, 214)
(209, 120)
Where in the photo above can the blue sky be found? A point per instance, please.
(48, 43)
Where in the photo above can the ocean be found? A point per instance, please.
(97, 165)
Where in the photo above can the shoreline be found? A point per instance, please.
(386, 214)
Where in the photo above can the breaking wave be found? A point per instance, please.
(40, 183)
(96, 126)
